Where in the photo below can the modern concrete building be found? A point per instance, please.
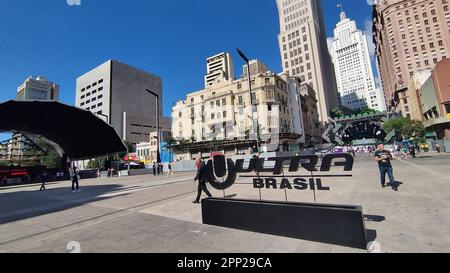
(33, 88)
(354, 75)
(116, 92)
(222, 112)
(304, 50)
(410, 36)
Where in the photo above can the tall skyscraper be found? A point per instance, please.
(38, 88)
(116, 92)
(219, 68)
(354, 75)
(33, 88)
(304, 50)
(410, 36)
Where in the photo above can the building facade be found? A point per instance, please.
(147, 151)
(435, 103)
(304, 50)
(219, 68)
(354, 75)
(412, 94)
(116, 92)
(310, 115)
(222, 112)
(38, 88)
(410, 36)
(33, 88)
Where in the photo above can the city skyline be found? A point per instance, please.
(83, 38)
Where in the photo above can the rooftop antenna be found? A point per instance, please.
(343, 16)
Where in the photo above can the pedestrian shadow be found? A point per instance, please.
(395, 186)
(230, 196)
(20, 205)
(374, 218)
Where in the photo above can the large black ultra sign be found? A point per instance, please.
(217, 167)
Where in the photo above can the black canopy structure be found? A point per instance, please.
(79, 133)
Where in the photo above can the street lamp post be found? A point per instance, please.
(158, 135)
(255, 124)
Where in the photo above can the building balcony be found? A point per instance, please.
(438, 121)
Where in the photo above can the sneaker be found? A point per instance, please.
(79, 190)
(196, 202)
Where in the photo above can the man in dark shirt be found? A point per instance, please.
(412, 150)
(384, 158)
(201, 178)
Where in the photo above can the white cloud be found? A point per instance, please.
(73, 2)
(330, 43)
(370, 2)
(369, 34)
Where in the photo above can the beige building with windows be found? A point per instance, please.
(222, 112)
(304, 50)
(410, 36)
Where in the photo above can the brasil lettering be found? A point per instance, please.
(218, 167)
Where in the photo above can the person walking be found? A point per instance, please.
(161, 168)
(201, 178)
(43, 180)
(257, 167)
(412, 150)
(75, 179)
(154, 168)
(438, 148)
(405, 152)
(384, 157)
(399, 151)
(99, 175)
(3, 181)
(169, 169)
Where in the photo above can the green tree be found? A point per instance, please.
(406, 128)
(51, 159)
(96, 163)
(336, 113)
(182, 146)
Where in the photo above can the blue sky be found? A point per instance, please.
(168, 38)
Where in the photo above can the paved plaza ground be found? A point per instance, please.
(155, 214)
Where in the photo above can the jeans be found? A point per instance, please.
(390, 173)
(75, 183)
